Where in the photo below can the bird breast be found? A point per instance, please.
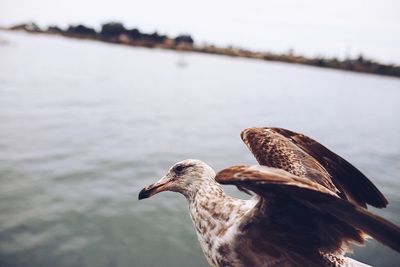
(216, 220)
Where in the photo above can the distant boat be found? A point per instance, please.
(182, 63)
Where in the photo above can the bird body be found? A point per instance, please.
(217, 219)
(309, 205)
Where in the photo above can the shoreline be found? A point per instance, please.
(116, 33)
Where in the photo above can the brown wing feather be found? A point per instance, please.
(300, 217)
(303, 156)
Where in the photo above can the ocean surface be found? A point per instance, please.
(85, 125)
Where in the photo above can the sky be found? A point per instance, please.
(337, 28)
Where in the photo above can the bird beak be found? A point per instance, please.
(153, 189)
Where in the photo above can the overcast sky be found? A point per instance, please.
(329, 28)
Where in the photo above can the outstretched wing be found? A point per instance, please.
(305, 157)
(299, 218)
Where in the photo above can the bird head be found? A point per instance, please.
(184, 177)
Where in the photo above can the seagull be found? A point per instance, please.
(309, 205)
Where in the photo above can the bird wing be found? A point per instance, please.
(305, 157)
(300, 218)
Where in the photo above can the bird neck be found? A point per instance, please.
(214, 213)
(207, 196)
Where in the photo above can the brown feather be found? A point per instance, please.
(303, 156)
(301, 218)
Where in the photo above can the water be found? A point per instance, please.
(85, 125)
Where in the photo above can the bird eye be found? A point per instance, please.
(179, 169)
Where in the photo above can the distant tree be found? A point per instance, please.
(157, 38)
(184, 38)
(360, 58)
(134, 33)
(321, 62)
(30, 27)
(81, 29)
(54, 29)
(153, 38)
(112, 29)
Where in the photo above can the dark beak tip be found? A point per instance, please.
(143, 194)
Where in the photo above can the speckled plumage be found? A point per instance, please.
(306, 212)
(218, 219)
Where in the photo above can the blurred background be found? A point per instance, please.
(84, 125)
